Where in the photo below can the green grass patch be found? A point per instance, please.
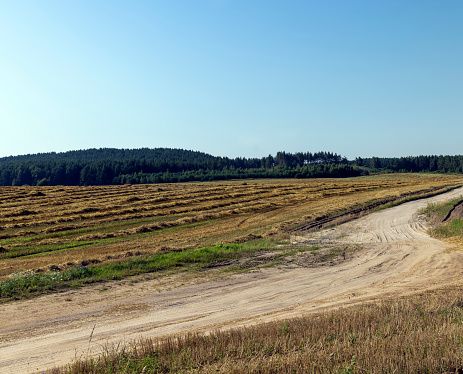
(453, 228)
(28, 284)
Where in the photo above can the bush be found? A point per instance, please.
(43, 182)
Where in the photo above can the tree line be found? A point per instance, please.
(108, 166)
(308, 171)
(441, 164)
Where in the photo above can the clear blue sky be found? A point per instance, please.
(232, 77)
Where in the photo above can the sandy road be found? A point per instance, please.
(398, 257)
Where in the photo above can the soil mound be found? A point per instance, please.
(455, 213)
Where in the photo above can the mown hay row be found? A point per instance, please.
(148, 217)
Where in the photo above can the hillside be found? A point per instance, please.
(109, 166)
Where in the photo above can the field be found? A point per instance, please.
(420, 333)
(56, 228)
(59, 232)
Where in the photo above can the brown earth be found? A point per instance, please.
(395, 256)
(455, 213)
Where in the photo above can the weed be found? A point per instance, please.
(284, 329)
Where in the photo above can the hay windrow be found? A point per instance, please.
(42, 225)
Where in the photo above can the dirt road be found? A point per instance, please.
(398, 258)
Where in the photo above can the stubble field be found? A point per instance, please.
(50, 229)
(54, 228)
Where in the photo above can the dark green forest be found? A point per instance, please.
(440, 164)
(108, 166)
(162, 165)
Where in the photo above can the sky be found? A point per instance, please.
(235, 78)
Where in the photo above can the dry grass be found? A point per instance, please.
(63, 226)
(417, 334)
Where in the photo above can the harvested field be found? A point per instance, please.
(396, 257)
(59, 227)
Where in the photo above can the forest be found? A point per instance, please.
(110, 166)
(441, 164)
